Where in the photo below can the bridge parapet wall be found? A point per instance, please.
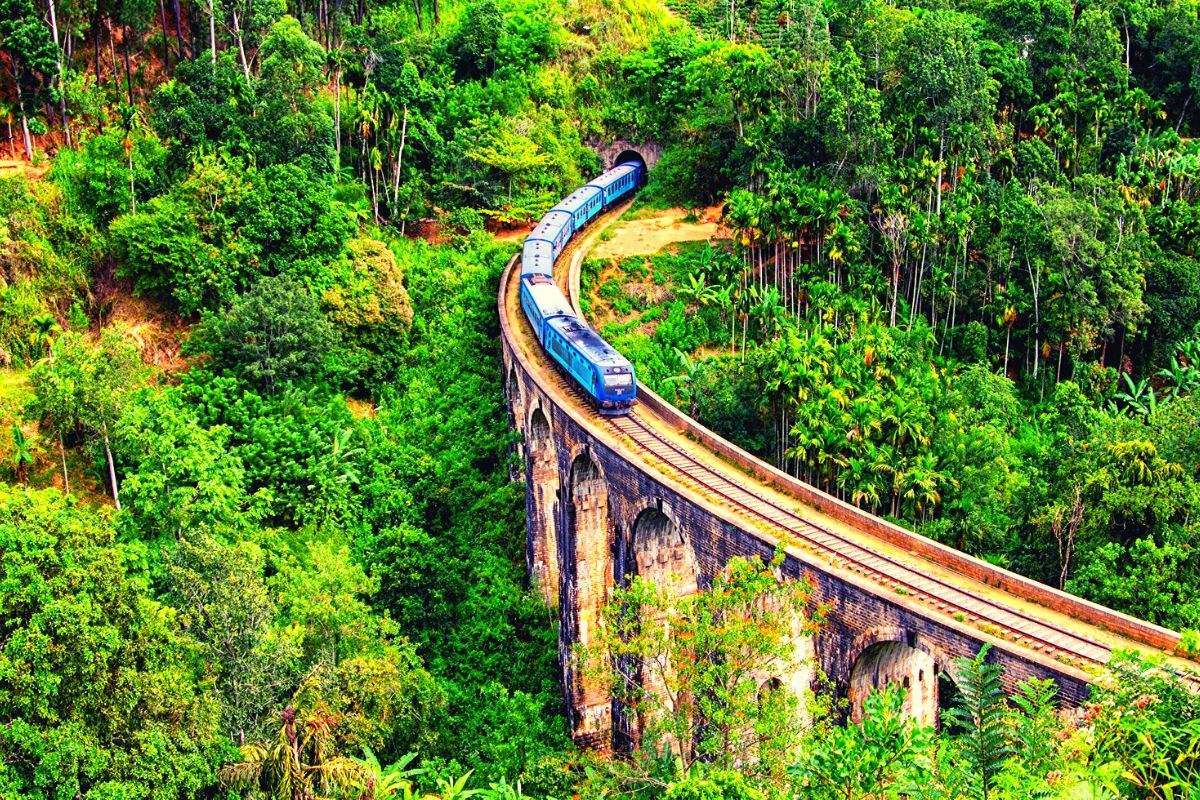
(1139, 630)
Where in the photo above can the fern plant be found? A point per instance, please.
(982, 714)
(1034, 727)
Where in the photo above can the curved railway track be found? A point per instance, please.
(843, 553)
(641, 429)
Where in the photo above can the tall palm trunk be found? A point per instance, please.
(25, 136)
(62, 95)
(400, 159)
(62, 453)
(212, 31)
(237, 34)
(112, 469)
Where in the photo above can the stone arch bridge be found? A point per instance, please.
(655, 494)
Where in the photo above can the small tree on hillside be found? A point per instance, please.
(82, 388)
(273, 335)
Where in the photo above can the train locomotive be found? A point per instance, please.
(603, 373)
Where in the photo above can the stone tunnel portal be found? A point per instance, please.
(633, 157)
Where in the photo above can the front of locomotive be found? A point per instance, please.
(616, 391)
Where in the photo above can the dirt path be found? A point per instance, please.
(651, 231)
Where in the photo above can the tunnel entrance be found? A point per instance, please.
(541, 548)
(632, 157)
(896, 663)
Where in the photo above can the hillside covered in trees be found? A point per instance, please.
(257, 532)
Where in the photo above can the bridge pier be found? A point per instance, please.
(541, 504)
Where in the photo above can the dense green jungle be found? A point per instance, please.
(258, 537)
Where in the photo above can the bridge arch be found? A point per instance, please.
(585, 587)
(660, 551)
(541, 548)
(894, 656)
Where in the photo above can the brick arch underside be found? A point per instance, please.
(657, 551)
(661, 552)
(894, 657)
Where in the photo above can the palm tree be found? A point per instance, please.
(697, 291)
(45, 328)
(1137, 397)
(687, 379)
(455, 789)
(300, 764)
(1183, 374)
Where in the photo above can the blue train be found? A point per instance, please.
(606, 375)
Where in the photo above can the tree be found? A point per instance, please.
(83, 388)
(300, 762)
(31, 57)
(882, 753)
(99, 688)
(477, 42)
(981, 712)
(699, 683)
(220, 589)
(22, 456)
(274, 335)
(182, 477)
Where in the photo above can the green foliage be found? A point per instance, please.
(699, 687)
(226, 225)
(81, 390)
(981, 714)
(715, 785)
(46, 253)
(961, 291)
(1147, 730)
(886, 752)
(273, 336)
(101, 688)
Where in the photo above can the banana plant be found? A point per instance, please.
(22, 457)
(1137, 397)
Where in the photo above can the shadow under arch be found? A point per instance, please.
(516, 412)
(661, 553)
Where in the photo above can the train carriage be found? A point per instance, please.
(583, 204)
(602, 372)
(537, 258)
(617, 182)
(541, 299)
(555, 228)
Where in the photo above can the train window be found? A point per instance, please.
(621, 379)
